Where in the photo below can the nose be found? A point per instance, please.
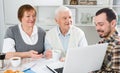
(32, 18)
(97, 27)
(69, 20)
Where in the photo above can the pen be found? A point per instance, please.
(50, 69)
(29, 68)
(26, 69)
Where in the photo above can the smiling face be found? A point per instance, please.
(64, 20)
(103, 27)
(29, 18)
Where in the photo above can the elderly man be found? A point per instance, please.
(105, 21)
(65, 35)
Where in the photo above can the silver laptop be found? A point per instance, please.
(85, 59)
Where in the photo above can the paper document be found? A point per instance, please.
(39, 66)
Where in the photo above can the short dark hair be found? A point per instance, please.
(24, 8)
(110, 13)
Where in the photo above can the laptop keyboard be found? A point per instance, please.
(59, 70)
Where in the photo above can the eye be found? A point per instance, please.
(64, 18)
(28, 16)
(34, 16)
(70, 17)
(101, 24)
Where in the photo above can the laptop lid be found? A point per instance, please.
(85, 59)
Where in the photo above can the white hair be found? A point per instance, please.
(61, 9)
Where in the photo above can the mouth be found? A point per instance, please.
(100, 31)
(31, 22)
(68, 24)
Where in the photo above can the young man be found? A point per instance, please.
(105, 21)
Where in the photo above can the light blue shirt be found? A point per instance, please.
(64, 40)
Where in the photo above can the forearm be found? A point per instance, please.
(17, 54)
(22, 54)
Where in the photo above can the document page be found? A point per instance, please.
(39, 66)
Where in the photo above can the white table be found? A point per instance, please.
(37, 65)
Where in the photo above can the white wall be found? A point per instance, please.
(11, 7)
(91, 34)
(116, 2)
(1, 23)
(45, 18)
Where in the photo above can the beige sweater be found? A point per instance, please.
(76, 35)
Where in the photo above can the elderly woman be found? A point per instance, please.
(25, 40)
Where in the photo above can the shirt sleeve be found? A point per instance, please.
(116, 58)
(9, 43)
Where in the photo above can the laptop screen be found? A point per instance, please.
(85, 59)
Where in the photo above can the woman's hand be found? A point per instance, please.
(34, 54)
(9, 55)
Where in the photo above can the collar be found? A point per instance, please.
(59, 32)
(111, 38)
(35, 29)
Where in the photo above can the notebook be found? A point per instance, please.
(85, 59)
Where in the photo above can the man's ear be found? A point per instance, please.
(56, 20)
(113, 23)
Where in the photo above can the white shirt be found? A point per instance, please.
(9, 43)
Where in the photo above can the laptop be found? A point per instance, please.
(85, 59)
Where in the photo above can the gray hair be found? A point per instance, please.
(61, 9)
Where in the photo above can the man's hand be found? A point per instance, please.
(48, 54)
(62, 59)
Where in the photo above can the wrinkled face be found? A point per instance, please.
(29, 18)
(103, 27)
(64, 20)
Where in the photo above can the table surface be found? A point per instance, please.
(36, 65)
